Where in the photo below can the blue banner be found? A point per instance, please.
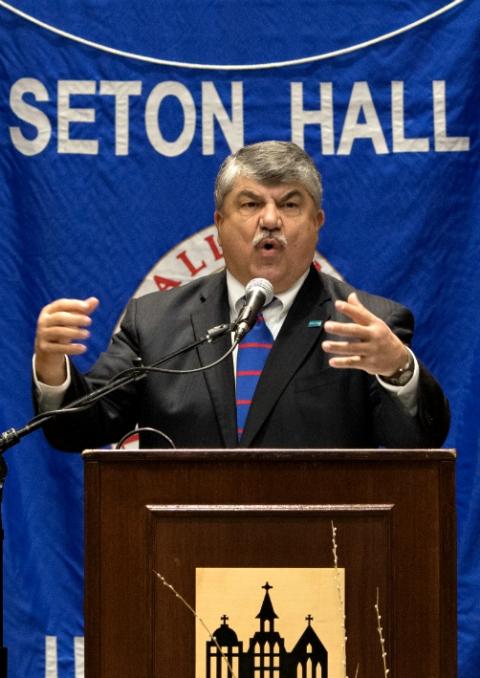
(115, 117)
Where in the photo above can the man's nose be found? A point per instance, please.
(270, 217)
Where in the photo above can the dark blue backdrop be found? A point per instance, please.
(97, 186)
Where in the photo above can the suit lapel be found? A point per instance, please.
(300, 332)
(213, 310)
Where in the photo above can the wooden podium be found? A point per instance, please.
(172, 512)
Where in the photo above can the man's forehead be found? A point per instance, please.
(248, 185)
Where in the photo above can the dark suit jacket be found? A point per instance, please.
(300, 401)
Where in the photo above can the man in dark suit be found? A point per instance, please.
(340, 373)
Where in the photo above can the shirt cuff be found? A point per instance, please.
(50, 397)
(408, 393)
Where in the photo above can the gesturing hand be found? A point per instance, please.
(368, 343)
(61, 327)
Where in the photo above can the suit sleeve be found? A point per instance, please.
(394, 426)
(116, 414)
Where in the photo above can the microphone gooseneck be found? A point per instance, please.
(258, 293)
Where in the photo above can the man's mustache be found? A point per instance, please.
(263, 235)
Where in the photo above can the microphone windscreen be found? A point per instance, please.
(263, 284)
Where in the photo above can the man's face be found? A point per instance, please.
(268, 231)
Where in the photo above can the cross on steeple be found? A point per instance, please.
(309, 619)
(224, 619)
(267, 587)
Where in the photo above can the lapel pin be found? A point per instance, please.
(315, 323)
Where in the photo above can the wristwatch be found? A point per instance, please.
(403, 375)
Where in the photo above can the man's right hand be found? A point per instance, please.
(61, 326)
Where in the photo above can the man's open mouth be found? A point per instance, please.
(269, 244)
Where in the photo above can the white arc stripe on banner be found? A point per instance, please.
(233, 67)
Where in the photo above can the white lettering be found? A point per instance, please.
(400, 143)
(154, 101)
(322, 117)
(29, 114)
(122, 91)
(444, 143)
(51, 656)
(361, 102)
(68, 115)
(213, 109)
(51, 661)
(33, 132)
(79, 656)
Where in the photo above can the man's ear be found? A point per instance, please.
(320, 219)
(218, 219)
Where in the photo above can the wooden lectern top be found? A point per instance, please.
(238, 454)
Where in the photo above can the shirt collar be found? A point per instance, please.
(283, 301)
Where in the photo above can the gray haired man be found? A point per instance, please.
(268, 214)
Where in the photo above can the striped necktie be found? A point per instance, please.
(252, 354)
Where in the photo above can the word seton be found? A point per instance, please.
(361, 119)
(122, 91)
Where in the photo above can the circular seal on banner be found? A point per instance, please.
(198, 255)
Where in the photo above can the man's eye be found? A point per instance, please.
(248, 206)
(291, 207)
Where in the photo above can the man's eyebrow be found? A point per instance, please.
(248, 193)
(294, 193)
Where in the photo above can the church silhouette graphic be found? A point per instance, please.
(266, 656)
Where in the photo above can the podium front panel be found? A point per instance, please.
(157, 521)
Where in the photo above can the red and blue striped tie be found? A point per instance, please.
(252, 354)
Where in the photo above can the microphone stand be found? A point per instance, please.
(3, 649)
(13, 436)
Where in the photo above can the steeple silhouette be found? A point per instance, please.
(267, 613)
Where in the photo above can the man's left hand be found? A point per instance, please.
(368, 342)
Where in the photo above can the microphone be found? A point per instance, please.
(258, 293)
